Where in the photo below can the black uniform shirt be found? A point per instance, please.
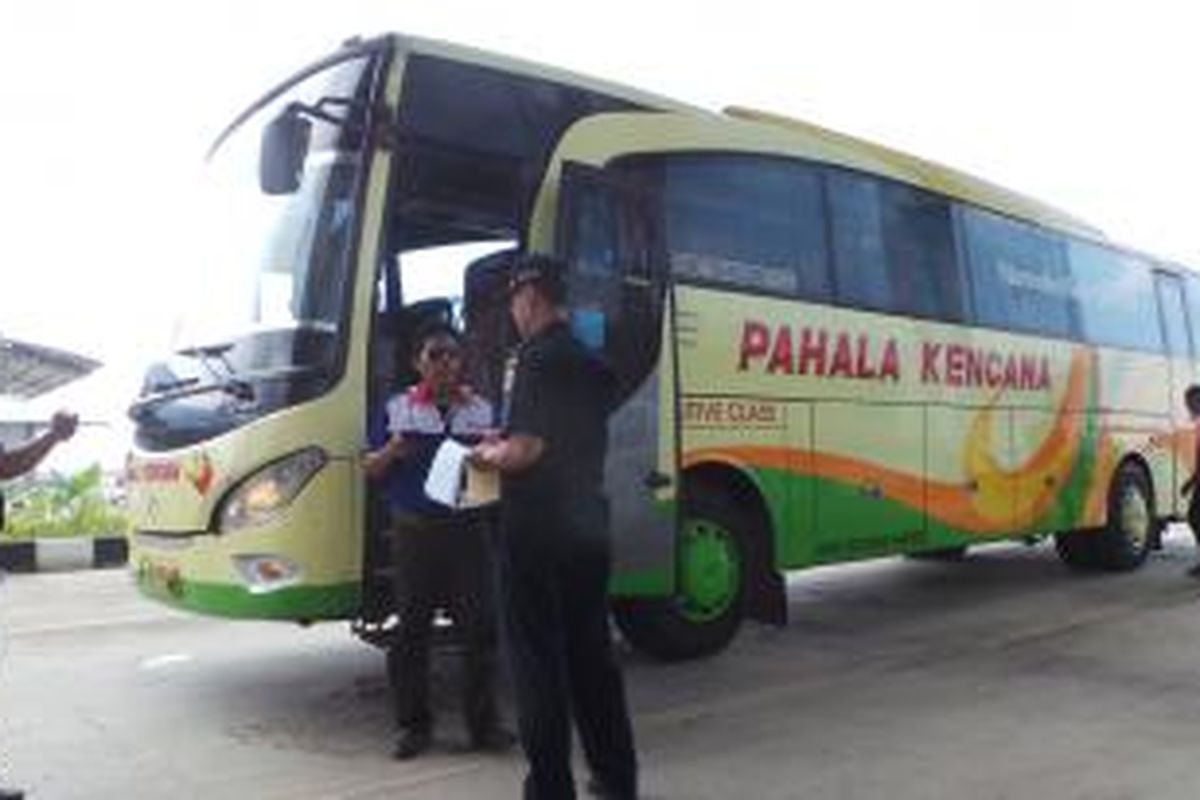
(563, 395)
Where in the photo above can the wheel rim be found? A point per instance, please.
(710, 570)
(1135, 517)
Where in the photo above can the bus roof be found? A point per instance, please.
(485, 58)
(931, 175)
(601, 138)
(799, 137)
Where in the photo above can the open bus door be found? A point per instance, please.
(618, 296)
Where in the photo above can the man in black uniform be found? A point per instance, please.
(555, 554)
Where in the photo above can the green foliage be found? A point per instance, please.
(63, 505)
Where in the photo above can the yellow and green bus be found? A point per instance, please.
(828, 350)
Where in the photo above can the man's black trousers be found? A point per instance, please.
(442, 563)
(554, 601)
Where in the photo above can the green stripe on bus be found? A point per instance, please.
(339, 601)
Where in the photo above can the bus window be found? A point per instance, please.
(1174, 315)
(748, 222)
(1020, 279)
(1115, 294)
(859, 256)
(893, 248)
(1192, 293)
(920, 243)
(616, 297)
(593, 237)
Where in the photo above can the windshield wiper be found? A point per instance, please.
(210, 354)
(241, 388)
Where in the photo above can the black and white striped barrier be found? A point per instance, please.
(56, 555)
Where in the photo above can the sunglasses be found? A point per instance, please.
(439, 353)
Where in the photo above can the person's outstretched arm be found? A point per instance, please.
(25, 457)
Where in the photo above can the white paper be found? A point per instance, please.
(444, 483)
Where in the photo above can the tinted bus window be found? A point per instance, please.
(748, 222)
(921, 257)
(893, 248)
(1176, 333)
(1019, 275)
(1115, 296)
(860, 261)
(1192, 291)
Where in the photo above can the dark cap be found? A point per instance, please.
(546, 273)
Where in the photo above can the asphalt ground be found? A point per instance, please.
(1003, 676)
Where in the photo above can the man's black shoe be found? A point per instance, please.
(412, 743)
(11, 794)
(493, 739)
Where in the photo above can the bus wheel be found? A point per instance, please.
(1127, 536)
(713, 566)
(1077, 549)
(1125, 540)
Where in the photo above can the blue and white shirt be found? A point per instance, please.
(415, 416)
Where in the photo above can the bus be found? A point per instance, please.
(828, 350)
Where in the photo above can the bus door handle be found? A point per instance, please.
(655, 480)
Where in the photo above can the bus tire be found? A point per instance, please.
(1077, 549)
(1125, 540)
(714, 571)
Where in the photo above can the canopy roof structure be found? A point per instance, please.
(28, 370)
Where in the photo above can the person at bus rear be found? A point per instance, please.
(1191, 399)
(18, 461)
(439, 555)
(555, 556)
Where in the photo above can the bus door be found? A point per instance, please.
(618, 297)
(1177, 337)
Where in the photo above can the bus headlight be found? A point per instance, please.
(263, 495)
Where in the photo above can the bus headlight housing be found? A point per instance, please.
(266, 493)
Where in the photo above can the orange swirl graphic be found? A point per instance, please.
(993, 499)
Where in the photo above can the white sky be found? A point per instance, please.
(108, 107)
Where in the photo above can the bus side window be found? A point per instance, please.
(859, 255)
(1192, 294)
(616, 296)
(747, 222)
(1115, 293)
(1176, 330)
(919, 231)
(594, 232)
(1021, 279)
(893, 248)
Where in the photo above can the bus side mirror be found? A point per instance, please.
(281, 157)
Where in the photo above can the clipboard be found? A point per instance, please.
(454, 483)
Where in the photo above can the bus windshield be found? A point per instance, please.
(266, 284)
(273, 270)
